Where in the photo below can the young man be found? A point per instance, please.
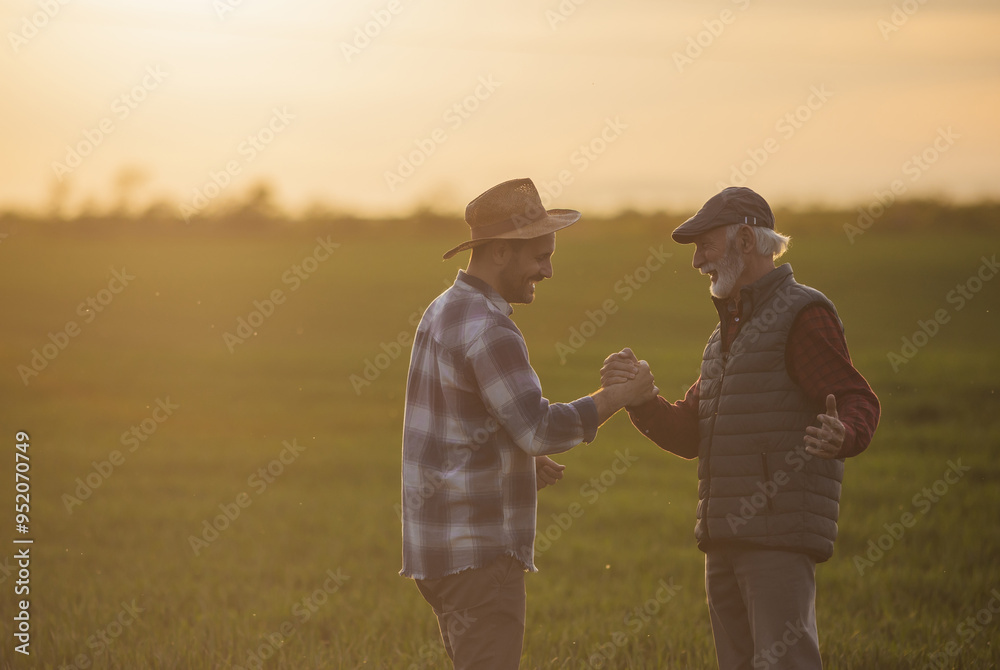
(477, 431)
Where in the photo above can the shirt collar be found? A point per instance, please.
(751, 294)
(468, 282)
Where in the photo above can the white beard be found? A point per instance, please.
(729, 270)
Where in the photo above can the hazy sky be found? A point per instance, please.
(631, 102)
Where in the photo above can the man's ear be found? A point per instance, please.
(747, 239)
(500, 252)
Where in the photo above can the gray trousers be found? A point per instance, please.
(763, 608)
(481, 614)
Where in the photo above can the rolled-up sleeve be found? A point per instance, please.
(512, 393)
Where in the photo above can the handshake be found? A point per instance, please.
(627, 379)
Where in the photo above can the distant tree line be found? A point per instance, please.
(256, 211)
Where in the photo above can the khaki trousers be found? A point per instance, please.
(763, 608)
(481, 614)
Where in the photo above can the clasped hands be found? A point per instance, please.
(624, 368)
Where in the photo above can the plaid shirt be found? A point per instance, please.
(474, 420)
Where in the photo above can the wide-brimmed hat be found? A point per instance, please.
(736, 204)
(512, 211)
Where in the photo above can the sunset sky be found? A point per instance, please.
(632, 103)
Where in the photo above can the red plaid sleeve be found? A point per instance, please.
(671, 426)
(818, 361)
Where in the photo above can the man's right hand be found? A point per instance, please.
(619, 367)
(642, 386)
(624, 368)
(627, 382)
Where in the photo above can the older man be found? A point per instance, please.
(477, 431)
(776, 410)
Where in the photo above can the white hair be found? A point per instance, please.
(769, 242)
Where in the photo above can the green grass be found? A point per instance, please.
(332, 508)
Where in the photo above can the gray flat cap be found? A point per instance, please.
(736, 204)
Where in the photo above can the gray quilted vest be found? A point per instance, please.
(756, 483)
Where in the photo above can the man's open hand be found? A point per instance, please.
(826, 439)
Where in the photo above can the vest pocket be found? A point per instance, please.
(769, 488)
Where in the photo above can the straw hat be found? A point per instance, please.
(511, 211)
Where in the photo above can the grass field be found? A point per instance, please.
(303, 573)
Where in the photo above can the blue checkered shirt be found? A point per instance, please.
(474, 420)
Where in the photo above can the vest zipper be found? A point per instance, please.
(767, 479)
(708, 466)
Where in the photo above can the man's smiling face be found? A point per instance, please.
(718, 257)
(530, 263)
